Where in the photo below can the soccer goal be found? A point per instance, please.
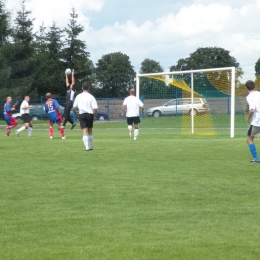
(197, 102)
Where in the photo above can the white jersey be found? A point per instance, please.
(253, 100)
(85, 102)
(132, 103)
(26, 110)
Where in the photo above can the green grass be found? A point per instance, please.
(164, 196)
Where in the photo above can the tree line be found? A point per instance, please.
(34, 63)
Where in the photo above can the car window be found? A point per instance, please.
(196, 101)
(180, 101)
(171, 103)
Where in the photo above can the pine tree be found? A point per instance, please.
(21, 54)
(5, 33)
(50, 71)
(5, 29)
(75, 53)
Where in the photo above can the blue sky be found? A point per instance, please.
(165, 30)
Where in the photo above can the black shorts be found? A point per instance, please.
(86, 120)
(131, 120)
(26, 118)
(253, 131)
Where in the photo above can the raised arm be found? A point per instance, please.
(72, 78)
(67, 81)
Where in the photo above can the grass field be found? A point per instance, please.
(165, 196)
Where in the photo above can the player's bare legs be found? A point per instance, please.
(62, 131)
(13, 123)
(252, 148)
(26, 126)
(51, 131)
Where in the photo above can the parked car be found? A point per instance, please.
(180, 106)
(38, 113)
(102, 116)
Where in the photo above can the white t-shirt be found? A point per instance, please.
(132, 103)
(85, 103)
(24, 111)
(253, 100)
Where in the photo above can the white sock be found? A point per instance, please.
(29, 131)
(130, 128)
(21, 129)
(85, 141)
(136, 132)
(90, 141)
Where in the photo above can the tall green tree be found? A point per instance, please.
(75, 52)
(206, 58)
(50, 69)
(150, 66)
(257, 67)
(151, 88)
(21, 53)
(40, 52)
(5, 27)
(257, 74)
(54, 62)
(115, 75)
(5, 32)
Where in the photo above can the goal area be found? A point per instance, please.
(196, 102)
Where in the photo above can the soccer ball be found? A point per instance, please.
(67, 71)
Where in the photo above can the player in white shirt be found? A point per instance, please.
(24, 111)
(87, 106)
(132, 104)
(253, 100)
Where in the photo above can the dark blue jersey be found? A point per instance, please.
(51, 107)
(7, 108)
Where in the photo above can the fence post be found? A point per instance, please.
(42, 107)
(108, 108)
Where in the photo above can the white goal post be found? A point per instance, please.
(191, 72)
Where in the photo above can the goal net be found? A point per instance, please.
(196, 102)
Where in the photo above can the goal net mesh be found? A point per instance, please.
(197, 103)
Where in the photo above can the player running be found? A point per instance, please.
(253, 100)
(51, 107)
(8, 108)
(132, 104)
(24, 111)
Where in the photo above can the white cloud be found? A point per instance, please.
(170, 37)
(232, 25)
(48, 11)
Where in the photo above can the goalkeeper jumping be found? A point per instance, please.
(69, 100)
